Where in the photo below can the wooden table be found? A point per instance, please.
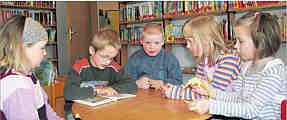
(147, 105)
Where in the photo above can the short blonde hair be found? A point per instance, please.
(106, 37)
(152, 29)
(202, 28)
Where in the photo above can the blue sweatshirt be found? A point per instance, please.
(163, 66)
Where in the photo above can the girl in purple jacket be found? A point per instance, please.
(22, 47)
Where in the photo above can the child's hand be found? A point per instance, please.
(200, 91)
(165, 90)
(107, 91)
(205, 89)
(199, 106)
(143, 82)
(195, 81)
(168, 85)
(157, 84)
(200, 86)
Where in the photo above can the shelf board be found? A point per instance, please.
(283, 4)
(49, 26)
(52, 43)
(168, 17)
(188, 71)
(53, 59)
(176, 42)
(26, 7)
(140, 21)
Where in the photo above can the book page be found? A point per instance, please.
(122, 96)
(96, 101)
(103, 99)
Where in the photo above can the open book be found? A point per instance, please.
(103, 99)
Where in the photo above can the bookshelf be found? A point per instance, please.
(137, 13)
(42, 11)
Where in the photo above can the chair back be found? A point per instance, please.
(283, 99)
(283, 109)
(2, 116)
(56, 87)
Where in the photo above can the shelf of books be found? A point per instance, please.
(133, 15)
(42, 11)
(50, 5)
(142, 12)
(242, 6)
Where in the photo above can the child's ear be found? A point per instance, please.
(141, 41)
(92, 50)
(162, 43)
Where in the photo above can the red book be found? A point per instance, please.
(2, 16)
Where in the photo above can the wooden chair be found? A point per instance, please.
(282, 100)
(2, 116)
(57, 86)
(283, 109)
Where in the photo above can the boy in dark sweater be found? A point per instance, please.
(153, 66)
(99, 67)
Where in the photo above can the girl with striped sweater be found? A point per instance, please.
(261, 81)
(217, 61)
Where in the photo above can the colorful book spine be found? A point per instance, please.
(46, 18)
(141, 11)
(30, 4)
(283, 26)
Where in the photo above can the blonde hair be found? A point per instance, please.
(152, 29)
(12, 55)
(264, 31)
(106, 37)
(202, 28)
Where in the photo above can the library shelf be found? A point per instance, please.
(183, 42)
(193, 13)
(141, 21)
(27, 7)
(52, 43)
(283, 4)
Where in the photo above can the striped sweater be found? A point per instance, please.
(227, 70)
(254, 94)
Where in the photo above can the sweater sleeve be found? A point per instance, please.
(268, 87)
(20, 105)
(181, 93)
(72, 89)
(130, 68)
(226, 71)
(174, 74)
(123, 83)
